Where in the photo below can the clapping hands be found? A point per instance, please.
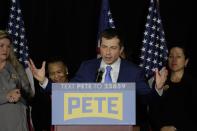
(38, 74)
(161, 77)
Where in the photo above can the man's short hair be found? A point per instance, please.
(111, 33)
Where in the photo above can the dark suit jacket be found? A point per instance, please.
(129, 72)
(48, 87)
(177, 105)
(41, 109)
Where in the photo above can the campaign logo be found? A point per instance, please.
(93, 105)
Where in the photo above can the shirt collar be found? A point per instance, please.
(115, 65)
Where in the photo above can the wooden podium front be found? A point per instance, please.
(94, 128)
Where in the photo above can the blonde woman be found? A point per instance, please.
(14, 90)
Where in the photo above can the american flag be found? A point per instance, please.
(105, 21)
(16, 29)
(154, 50)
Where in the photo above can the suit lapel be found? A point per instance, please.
(121, 72)
(96, 68)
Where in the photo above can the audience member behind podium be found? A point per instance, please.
(57, 70)
(175, 110)
(122, 70)
(41, 109)
(15, 89)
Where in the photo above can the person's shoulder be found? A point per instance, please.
(189, 77)
(17, 68)
(130, 64)
(91, 61)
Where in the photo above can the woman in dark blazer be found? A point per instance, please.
(174, 108)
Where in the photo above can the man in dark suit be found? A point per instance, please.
(111, 47)
(122, 70)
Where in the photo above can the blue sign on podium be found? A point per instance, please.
(93, 104)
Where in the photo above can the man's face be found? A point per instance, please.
(57, 72)
(110, 50)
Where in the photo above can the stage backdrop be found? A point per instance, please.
(69, 28)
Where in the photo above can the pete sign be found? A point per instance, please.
(93, 104)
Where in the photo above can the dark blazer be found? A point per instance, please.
(177, 105)
(48, 87)
(129, 72)
(41, 109)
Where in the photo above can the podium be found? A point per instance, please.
(95, 128)
(93, 106)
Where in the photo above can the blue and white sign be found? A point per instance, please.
(93, 104)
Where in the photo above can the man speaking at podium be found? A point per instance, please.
(111, 68)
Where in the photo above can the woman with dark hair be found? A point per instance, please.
(174, 109)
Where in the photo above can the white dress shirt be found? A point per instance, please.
(114, 71)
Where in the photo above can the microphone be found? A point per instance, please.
(100, 74)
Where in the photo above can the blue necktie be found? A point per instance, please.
(107, 75)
